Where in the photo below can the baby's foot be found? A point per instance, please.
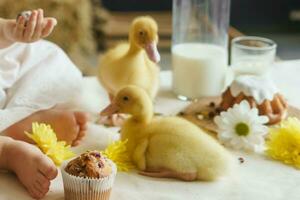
(32, 167)
(69, 126)
(112, 120)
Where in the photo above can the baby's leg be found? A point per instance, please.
(69, 126)
(32, 167)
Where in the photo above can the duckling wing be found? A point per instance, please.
(179, 145)
(153, 74)
(171, 152)
(145, 77)
(118, 68)
(109, 66)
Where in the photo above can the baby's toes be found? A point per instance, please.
(118, 119)
(36, 192)
(42, 191)
(79, 138)
(81, 134)
(42, 181)
(75, 143)
(47, 168)
(81, 119)
(83, 127)
(31, 193)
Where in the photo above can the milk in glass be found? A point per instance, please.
(199, 47)
(198, 69)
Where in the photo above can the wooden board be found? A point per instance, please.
(198, 113)
(119, 22)
(117, 27)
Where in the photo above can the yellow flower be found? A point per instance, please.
(43, 135)
(284, 142)
(117, 152)
(45, 138)
(60, 152)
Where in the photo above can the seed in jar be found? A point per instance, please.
(25, 14)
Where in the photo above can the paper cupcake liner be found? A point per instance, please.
(80, 188)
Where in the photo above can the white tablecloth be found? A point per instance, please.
(257, 178)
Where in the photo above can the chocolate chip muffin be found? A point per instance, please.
(90, 164)
(88, 176)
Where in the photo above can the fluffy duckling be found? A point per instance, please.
(167, 146)
(133, 63)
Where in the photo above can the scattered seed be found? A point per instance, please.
(200, 117)
(241, 160)
(211, 114)
(205, 112)
(218, 110)
(212, 104)
(181, 113)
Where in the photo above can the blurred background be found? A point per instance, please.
(86, 28)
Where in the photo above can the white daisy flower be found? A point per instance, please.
(241, 127)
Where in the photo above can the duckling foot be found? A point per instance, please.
(113, 120)
(170, 174)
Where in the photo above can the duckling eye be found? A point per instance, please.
(125, 98)
(141, 33)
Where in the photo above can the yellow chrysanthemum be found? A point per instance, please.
(117, 152)
(284, 142)
(43, 135)
(60, 152)
(45, 138)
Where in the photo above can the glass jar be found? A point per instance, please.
(252, 55)
(199, 47)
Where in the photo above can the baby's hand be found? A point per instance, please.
(31, 30)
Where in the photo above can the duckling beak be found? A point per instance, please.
(110, 110)
(152, 52)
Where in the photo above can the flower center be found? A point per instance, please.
(242, 129)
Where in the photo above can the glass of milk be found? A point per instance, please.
(252, 55)
(199, 47)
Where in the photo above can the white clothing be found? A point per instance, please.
(34, 77)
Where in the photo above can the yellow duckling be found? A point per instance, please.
(133, 63)
(167, 146)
